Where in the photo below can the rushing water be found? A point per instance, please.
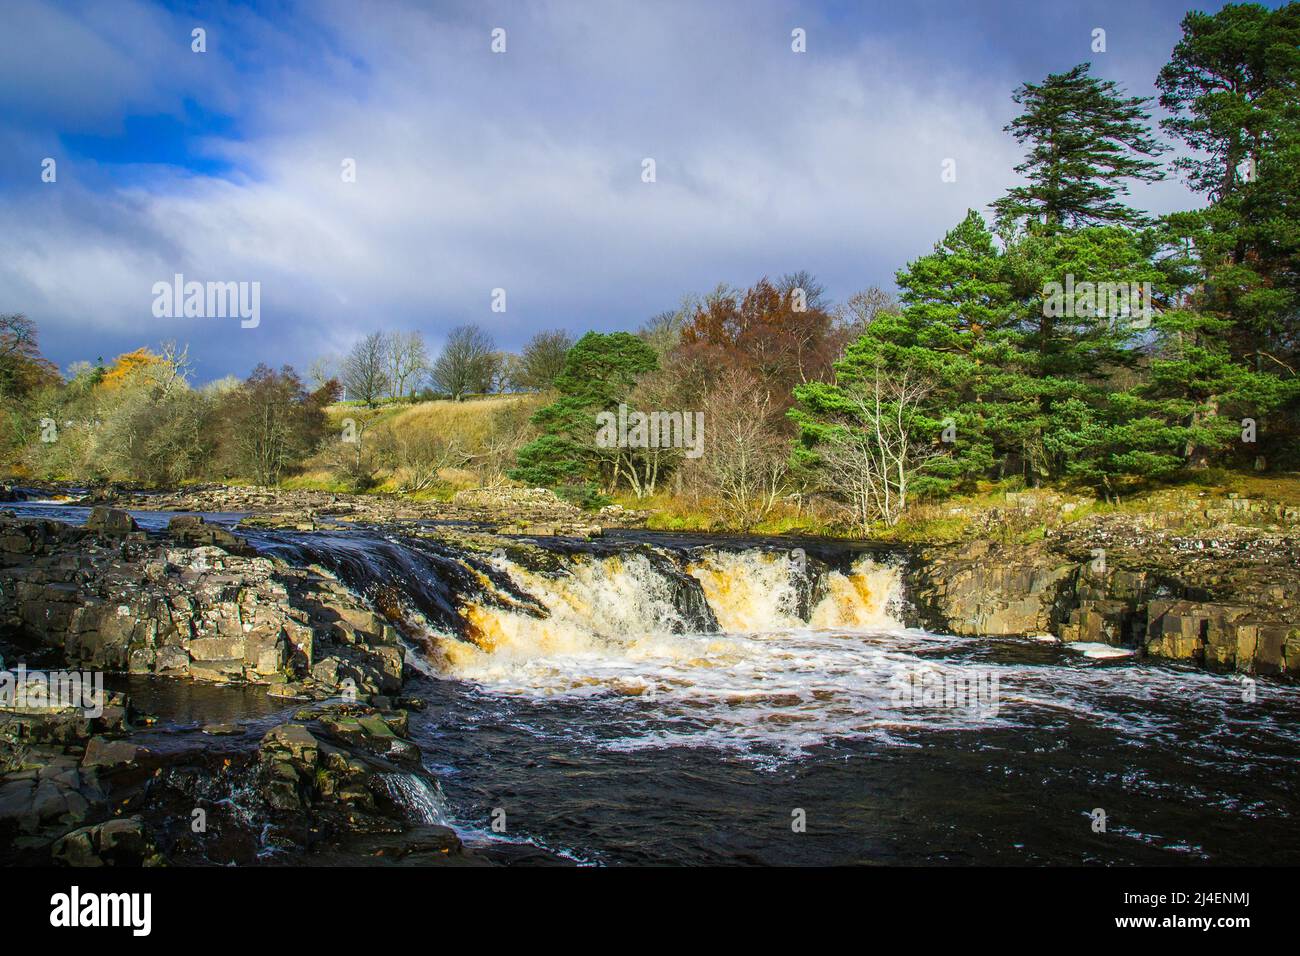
(655, 700)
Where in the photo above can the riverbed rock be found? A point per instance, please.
(495, 507)
(110, 521)
(211, 612)
(121, 842)
(1227, 599)
(195, 530)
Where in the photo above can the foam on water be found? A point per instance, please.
(772, 684)
(770, 679)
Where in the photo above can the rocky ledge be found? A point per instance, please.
(509, 510)
(333, 779)
(194, 603)
(1209, 591)
(332, 776)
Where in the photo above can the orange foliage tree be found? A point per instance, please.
(781, 335)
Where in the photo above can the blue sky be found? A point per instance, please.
(519, 170)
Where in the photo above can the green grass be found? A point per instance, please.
(316, 483)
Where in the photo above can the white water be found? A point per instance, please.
(773, 684)
(424, 803)
(768, 678)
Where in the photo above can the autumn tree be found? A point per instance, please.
(271, 423)
(22, 367)
(779, 333)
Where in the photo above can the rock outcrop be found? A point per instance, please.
(108, 597)
(1227, 599)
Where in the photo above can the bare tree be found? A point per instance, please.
(352, 455)
(321, 370)
(543, 360)
(746, 457)
(418, 454)
(871, 456)
(407, 361)
(862, 309)
(509, 429)
(365, 369)
(468, 363)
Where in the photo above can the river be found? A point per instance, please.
(659, 699)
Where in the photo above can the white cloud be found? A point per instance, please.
(523, 171)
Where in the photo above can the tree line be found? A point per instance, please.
(397, 366)
(1176, 345)
(1067, 337)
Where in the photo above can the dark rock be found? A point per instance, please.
(110, 521)
(120, 842)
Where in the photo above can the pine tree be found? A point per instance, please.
(600, 371)
(1232, 87)
(1072, 349)
(1087, 140)
(953, 334)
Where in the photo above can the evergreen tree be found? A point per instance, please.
(600, 372)
(1232, 87)
(1077, 336)
(951, 334)
(1086, 140)
(1022, 379)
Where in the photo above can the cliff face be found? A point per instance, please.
(1228, 599)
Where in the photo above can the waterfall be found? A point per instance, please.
(757, 590)
(422, 802)
(629, 617)
(612, 621)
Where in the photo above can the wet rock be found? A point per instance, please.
(1099, 622)
(121, 842)
(203, 611)
(972, 591)
(49, 797)
(109, 754)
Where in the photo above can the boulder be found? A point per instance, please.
(121, 842)
(110, 521)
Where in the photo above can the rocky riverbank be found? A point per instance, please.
(327, 769)
(1217, 585)
(195, 602)
(338, 775)
(506, 510)
(332, 781)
